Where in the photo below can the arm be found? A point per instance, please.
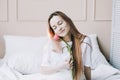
(87, 49)
(49, 70)
(87, 72)
(56, 68)
(46, 65)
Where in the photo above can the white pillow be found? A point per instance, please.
(25, 62)
(105, 72)
(24, 53)
(97, 56)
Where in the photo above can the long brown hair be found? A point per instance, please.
(76, 38)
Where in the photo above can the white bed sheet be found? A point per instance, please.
(6, 73)
(102, 72)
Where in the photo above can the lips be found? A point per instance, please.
(62, 31)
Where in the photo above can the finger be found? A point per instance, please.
(71, 67)
(71, 64)
(71, 61)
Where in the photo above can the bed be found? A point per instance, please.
(23, 56)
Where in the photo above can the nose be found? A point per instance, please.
(60, 28)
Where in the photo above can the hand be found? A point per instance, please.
(68, 64)
(71, 62)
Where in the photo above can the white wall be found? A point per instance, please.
(29, 18)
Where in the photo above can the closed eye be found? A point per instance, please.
(60, 22)
(54, 27)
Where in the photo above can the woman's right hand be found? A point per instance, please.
(68, 64)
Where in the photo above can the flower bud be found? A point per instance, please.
(56, 37)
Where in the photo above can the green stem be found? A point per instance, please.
(69, 50)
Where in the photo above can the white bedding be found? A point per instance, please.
(105, 72)
(102, 72)
(6, 73)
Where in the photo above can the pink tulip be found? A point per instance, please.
(56, 37)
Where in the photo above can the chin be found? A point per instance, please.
(63, 35)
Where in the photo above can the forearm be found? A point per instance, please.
(87, 72)
(51, 69)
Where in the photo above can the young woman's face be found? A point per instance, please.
(60, 26)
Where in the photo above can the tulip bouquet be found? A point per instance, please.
(56, 37)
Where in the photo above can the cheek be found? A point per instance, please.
(64, 25)
(68, 27)
(56, 32)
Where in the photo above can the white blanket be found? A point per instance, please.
(102, 72)
(105, 72)
(6, 73)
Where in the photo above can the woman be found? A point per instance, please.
(57, 61)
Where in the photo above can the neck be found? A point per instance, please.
(67, 38)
